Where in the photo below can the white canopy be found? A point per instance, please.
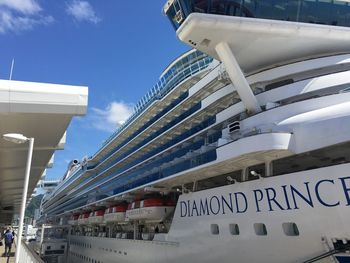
(39, 110)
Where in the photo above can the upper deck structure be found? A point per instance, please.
(263, 33)
(41, 111)
(157, 124)
(249, 36)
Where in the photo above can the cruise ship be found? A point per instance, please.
(239, 153)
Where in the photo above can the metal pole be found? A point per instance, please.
(12, 64)
(24, 199)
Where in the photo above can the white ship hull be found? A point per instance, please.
(321, 217)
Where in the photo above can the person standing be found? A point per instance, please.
(8, 237)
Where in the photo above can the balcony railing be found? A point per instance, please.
(184, 68)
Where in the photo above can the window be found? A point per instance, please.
(234, 229)
(214, 228)
(290, 229)
(260, 229)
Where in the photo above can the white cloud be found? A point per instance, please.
(82, 11)
(21, 15)
(22, 6)
(112, 117)
(11, 22)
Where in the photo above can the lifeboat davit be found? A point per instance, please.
(115, 214)
(84, 219)
(149, 210)
(96, 217)
(73, 221)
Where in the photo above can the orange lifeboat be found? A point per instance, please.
(96, 217)
(115, 214)
(84, 219)
(149, 210)
(73, 220)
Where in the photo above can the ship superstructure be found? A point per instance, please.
(240, 153)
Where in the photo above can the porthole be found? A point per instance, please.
(260, 229)
(290, 229)
(214, 228)
(234, 229)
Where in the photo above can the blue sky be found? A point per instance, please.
(116, 48)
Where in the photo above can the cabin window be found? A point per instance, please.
(214, 228)
(290, 229)
(260, 229)
(234, 229)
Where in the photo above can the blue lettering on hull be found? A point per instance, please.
(269, 199)
(342, 259)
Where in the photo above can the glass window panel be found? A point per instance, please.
(214, 229)
(260, 229)
(290, 229)
(234, 229)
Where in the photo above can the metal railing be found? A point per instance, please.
(187, 66)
